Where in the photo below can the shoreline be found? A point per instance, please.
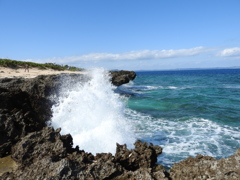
(33, 146)
(33, 72)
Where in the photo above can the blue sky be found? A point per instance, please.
(122, 34)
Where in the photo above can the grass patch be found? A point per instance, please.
(21, 64)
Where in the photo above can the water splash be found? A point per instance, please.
(94, 115)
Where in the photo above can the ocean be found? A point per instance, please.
(186, 112)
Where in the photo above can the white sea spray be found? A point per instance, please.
(94, 115)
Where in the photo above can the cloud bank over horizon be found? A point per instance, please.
(126, 56)
(165, 59)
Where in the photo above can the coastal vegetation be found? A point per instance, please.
(21, 64)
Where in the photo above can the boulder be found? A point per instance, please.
(122, 77)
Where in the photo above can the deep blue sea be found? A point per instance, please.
(186, 112)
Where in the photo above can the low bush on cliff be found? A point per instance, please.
(21, 64)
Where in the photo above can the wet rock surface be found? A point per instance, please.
(42, 153)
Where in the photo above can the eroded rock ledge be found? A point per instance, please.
(46, 154)
(42, 153)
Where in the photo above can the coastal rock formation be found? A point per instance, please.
(206, 167)
(40, 152)
(122, 77)
(26, 106)
(46, 154)
(26, 103)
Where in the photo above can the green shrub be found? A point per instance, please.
(21, 64)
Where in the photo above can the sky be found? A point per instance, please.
(122, 34)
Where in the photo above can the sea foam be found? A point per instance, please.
(94, 115)
(183, 138)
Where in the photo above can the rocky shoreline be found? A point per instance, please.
(32, 150)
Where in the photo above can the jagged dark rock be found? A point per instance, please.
(42, 153)
(122, 77)
(20, 114)
(143, 155)
(46, 154)
(140, 162)
(26, 106)
(206, 167)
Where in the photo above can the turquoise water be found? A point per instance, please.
(187, 112)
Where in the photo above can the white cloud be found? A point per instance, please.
(131, 55)
(230, 52)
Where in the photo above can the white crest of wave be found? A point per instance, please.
(94, 115)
